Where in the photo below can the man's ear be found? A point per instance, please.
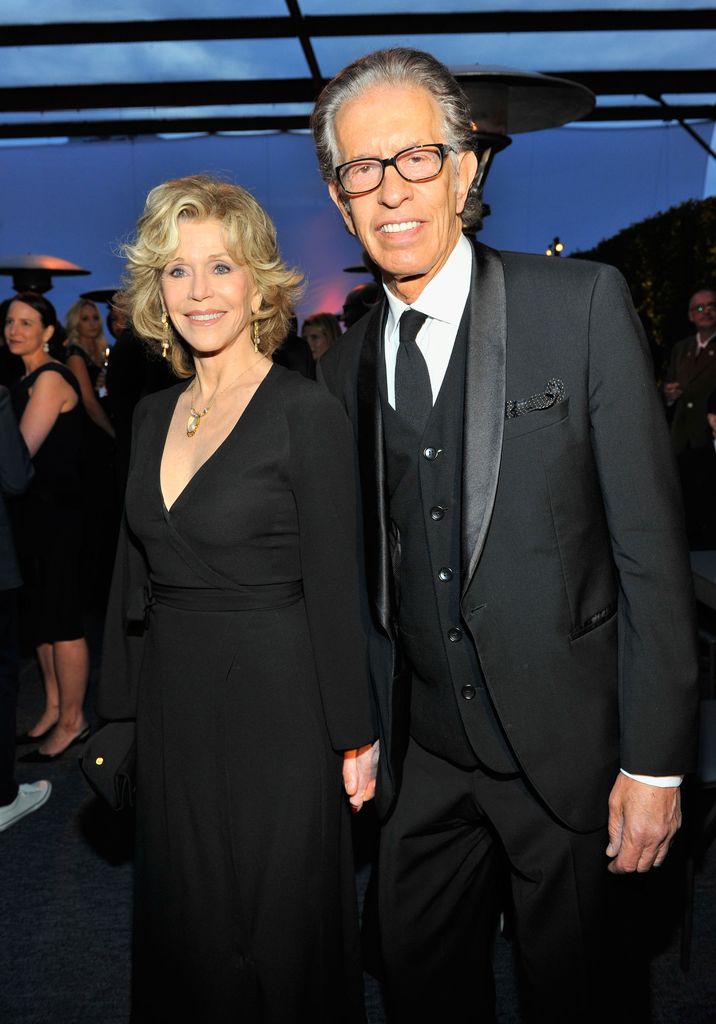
(343, 205)
(467, 169)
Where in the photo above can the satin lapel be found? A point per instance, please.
(371, 453)
(484, 403)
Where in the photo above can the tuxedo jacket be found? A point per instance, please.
(697, 376)
(576, 587)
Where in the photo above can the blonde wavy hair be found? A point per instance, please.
(250, 240)
(72, 327)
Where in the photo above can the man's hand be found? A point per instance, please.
(643, 821)
(360, 768)
(672, 391)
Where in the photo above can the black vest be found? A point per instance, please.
(451, 713)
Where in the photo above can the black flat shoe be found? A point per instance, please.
(35, 757)
(24, 738)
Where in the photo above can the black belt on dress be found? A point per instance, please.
(230, 599)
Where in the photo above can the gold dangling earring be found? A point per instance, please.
(256, 336)
(166, 339)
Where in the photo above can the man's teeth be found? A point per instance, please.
(205, 316)
(406, 225)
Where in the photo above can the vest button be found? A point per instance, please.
(454, 634)
(431, 453)
(437, 512)
(445, 574)
(468, 692)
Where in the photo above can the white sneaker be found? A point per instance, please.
(30, 796)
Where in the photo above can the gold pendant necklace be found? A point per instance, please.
(195, 417)
(192, 424)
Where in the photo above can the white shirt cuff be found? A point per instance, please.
(662, 781)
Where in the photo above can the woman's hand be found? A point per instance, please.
(360, 768)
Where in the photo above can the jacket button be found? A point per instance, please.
(437, 512)
(454, 634)
(445, 574)
(468, 692)
(689, 405)
(431, 453)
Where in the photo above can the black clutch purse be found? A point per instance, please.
(108, 763)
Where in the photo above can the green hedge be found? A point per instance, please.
(665, 259)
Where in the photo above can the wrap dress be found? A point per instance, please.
(234, 638)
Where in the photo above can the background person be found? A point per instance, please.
(321, 330)
(527, 569)
(249, 680)
(15, 474)
(691, 376)
(86, 355)
(86, 347)
(48, 526)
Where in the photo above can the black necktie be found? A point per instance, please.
(413, 394)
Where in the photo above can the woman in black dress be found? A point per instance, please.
(47, 520)
(234, 636)
(87, 349)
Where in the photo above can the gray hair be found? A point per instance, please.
(402, 67)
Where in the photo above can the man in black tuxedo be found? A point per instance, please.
(531, 632)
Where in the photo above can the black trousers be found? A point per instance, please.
(8, 694)
(453, 836)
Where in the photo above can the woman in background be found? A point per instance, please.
(47, 520)
(321, 330)
(244, 664)
(86, 348)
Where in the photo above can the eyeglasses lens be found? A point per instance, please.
(413, 165)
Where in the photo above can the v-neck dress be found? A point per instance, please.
(234, 637)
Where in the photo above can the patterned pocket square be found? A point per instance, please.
(553, 394)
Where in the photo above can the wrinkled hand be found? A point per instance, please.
(643, 821)
(360, 768)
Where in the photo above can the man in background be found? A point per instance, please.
(691, 375)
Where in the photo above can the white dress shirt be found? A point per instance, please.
(443, 302)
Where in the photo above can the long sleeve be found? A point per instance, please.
(324, 488)
(15, 463)
(123, 644)
(656, 656)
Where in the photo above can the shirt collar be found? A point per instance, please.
(444, 297)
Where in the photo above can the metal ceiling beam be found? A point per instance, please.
(303, 36)
(643, 83)
(157, 94)
(463, 23)
(278, 123)
(304, 90)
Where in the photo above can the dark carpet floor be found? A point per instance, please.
(65, 914)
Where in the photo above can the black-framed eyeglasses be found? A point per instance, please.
(417, 163)
(703, 306)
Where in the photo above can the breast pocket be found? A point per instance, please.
(538, 419)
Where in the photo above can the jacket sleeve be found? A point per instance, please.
(123, 644)
(657, 668)
(15, 464)
(323, 483)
